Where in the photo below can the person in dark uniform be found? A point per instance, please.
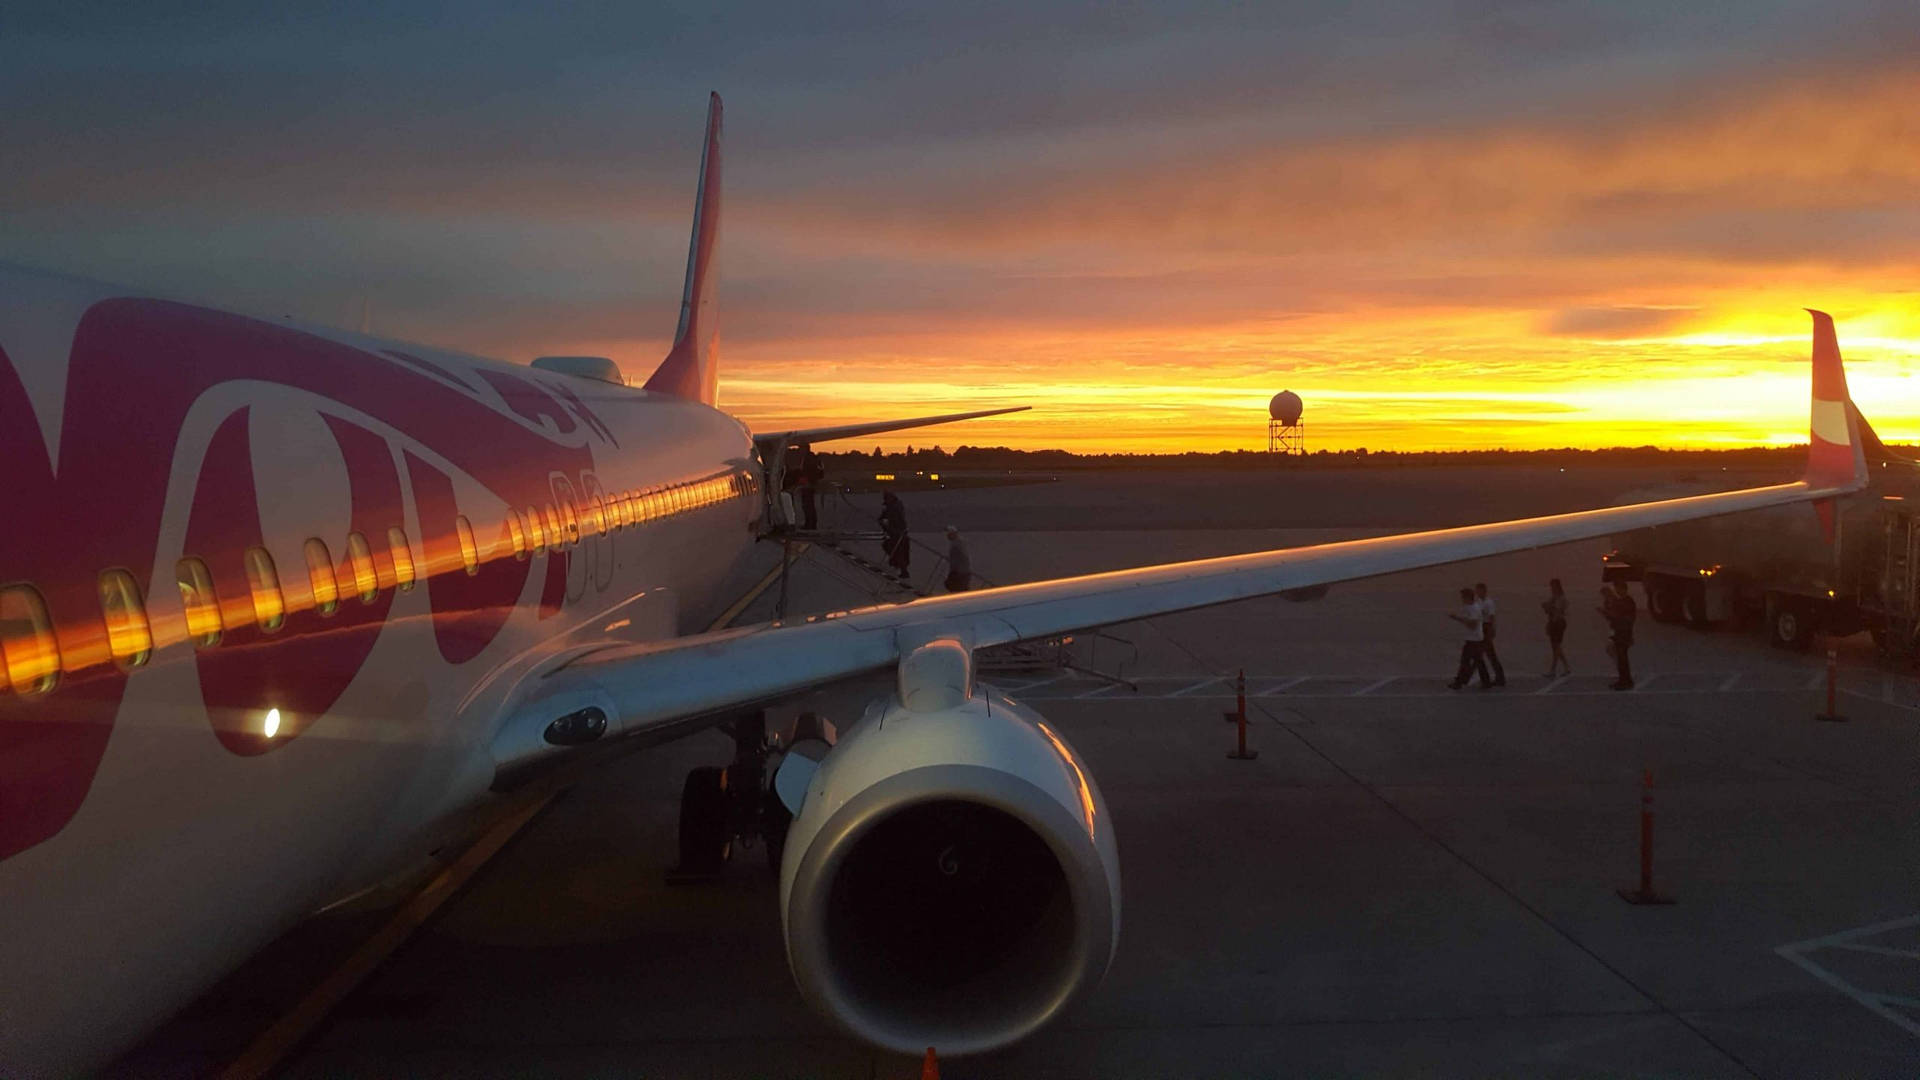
(1619, 610)
(1470, 658)
(959, 562)
(893, 532)
(1487, 613)
(1555, 605)
(811, 474)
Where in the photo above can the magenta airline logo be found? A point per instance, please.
(136, 368)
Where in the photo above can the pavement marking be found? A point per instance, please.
(1288, 684)
(1877, 1003)
(1371, 687)
(733, 612)
(1551, 683)
(1730, 681)
(271, 1046)
(1185, 690)
(1818, 679)
(1103, 688)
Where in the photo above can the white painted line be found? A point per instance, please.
(1185, 690)
(1849, 940)
(1097, 691)
(1879, 950)
(1818, 680)
(1871, 1002)
(1729, 682)
(1372, 686)
(1886, 690)
(1858, 932)
(1551, 683)
(1272, 690)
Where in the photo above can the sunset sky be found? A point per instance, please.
(1443, 225)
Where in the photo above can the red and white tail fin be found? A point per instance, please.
(1835, 449)
(692, 367)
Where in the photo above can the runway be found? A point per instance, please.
(1408, 880)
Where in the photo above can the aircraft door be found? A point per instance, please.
(598, 528)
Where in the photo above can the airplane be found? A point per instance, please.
(285, 609)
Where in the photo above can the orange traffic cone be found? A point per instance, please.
(930, 1068)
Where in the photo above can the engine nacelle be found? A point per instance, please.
(950, 879)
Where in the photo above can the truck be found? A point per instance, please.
(1799, 571)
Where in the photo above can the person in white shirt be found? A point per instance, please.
(1489, 654)
(1470, 658)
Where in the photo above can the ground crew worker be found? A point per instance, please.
(893, 531)
(1619, 610)
(810, 476)
(1555, 605)
(1470, 658)
(1487, 613)
(959, 563)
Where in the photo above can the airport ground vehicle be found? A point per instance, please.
(1798, 571)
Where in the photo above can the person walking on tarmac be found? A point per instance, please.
(1487, 613)
(1619, 610)
(893, 532)
(1555, 605)
(959, 562)
(810, 476)
(1470, 659)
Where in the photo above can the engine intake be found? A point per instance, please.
(951, 878)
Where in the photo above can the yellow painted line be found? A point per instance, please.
(272, 1046)
(753, 594)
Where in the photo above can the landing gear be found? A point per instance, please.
(722, 809)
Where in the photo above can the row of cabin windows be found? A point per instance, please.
(30, 653)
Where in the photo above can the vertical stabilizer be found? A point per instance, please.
(692, 367)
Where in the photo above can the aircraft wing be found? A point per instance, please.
(659, 685)
(851, 431)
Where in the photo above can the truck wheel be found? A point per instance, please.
(1663, 600)
(1694, 603)
(1790, 626)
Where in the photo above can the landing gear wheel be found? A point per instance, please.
(1789, 626)
(775, 820)
(703, 822)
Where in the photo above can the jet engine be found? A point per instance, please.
(950, 877)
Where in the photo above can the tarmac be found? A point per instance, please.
(1409, 879)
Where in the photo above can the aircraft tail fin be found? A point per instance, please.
(692, 367)
(1835, 442)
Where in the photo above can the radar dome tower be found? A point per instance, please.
(1285, 433)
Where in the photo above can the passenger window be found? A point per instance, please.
(596, 515)
(622, 510)
(28, 650)
(469, 551)
(569, 521)
(551, 517)
(360, 561)
(128, 636)
(269, 608)
(326, 590)
(536, 531)
(518, 534)
(403, 572)
(196, 596)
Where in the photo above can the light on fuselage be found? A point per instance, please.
(271, 724)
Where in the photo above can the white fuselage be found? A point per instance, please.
(173, 811)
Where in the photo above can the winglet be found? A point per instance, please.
(1835, 449)
(692, 367)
